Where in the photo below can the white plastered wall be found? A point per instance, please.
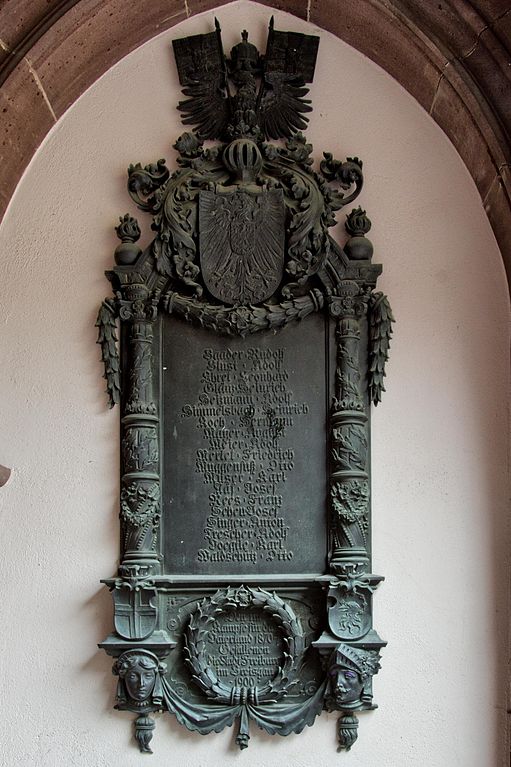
(439, 437)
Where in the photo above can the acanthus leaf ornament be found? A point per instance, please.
(143, 183)
(242, 264)
(140, 514)
(233, 173)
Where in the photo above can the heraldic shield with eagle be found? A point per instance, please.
(244, 221)
(213, 397)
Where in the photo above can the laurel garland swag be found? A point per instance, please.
(242, 320)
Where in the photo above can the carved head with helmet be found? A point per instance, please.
(350, 672)
(245, 56)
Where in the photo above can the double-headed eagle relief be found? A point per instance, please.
(252, 347)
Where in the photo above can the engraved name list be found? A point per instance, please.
(240, 423)
(244, 409)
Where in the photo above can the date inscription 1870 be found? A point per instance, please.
(244, 648)
(243, 435)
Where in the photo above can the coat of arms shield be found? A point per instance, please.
(349, 617)
(135, 612)
(242, 239)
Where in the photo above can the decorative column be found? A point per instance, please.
(350, 648)
(134, 593)
(138, 644)
(349, 480)
(140, 490)
(136, 306)
(350, 583)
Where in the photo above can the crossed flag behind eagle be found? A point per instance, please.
(269, 97)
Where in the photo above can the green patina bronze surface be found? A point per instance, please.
(244, 348)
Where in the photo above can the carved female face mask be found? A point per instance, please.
(139, 681)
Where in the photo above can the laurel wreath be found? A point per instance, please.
(242, 320)
(228, 600)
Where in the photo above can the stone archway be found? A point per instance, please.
(453, 56)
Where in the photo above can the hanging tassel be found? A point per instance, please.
(243, 737)
(347, 731)
(144, 727)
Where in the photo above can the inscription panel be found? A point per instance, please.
(244, 476)
(258, 651)
(244, 648)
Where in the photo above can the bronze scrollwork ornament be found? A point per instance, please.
(242, 595)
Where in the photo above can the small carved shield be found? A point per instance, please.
(349, 616)
(242, 236)
(135, 612)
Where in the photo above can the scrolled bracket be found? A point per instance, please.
(143, 183)
(346, 174)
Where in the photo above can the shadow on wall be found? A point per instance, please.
(5, 473)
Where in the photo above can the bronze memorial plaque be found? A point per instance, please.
(251, 348)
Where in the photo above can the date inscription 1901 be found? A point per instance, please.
(241, 422)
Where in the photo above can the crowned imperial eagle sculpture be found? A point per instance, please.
(268, 99)
(245, 220)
